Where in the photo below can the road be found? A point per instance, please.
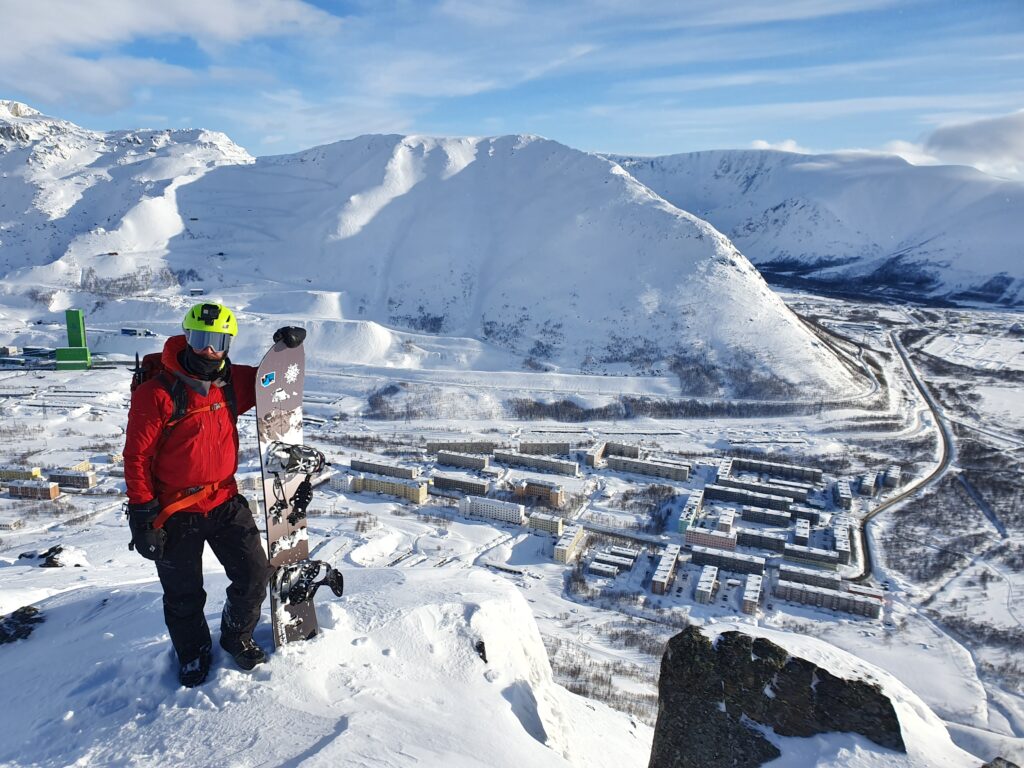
(946, 459)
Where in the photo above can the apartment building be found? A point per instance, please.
(388, 470)
(802, 532)
(752, 594)
(800, 575)
(544, 448)
(73, 479)
(669, 471)
(550, 523)
(755, 537)
(412, 490)
(464, 484)
(665, 571)
(848, 602)
(795, 494)
(540, 463)
(465, 460)
(33, 489)
(568, 546)
(742, 496)
(462, 446)
(763, 515)
(707, 584)
(736, 562)
(505, 511)
(547, 493)
(18, 472)
(815, 555)
(790, 471)
(707, 538)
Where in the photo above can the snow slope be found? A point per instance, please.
(856, 221)
(522, 243)
(393, 680)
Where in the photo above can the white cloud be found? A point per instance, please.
(787, 145)
(992, 144)
(67, 51)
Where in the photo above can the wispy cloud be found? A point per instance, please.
(994, 144)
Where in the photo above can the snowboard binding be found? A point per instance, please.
(297, 583)
(288, 459)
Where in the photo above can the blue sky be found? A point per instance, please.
(932, 79)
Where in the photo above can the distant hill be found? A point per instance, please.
(556, 256)
(853, 222)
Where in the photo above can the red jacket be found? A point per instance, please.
(201, 449)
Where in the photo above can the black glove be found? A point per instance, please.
(291, 335)
(146, 540)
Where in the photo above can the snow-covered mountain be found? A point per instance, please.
(556, 256)
(855, 222)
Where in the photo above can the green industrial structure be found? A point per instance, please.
(75, 356)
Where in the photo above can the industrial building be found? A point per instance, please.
(464, 484)
(72, 479)
(766, 516)
(665, 571)
(466, 460)
(545, 448)
(755, 537)
(893, 475)
(16, 472)
(706, 538)
(505, 511)
(542, 463)
(808, 594)
(550, 523)
(412, 490)
(11, 524)
(724, 493)
(707, 584)
(752, 594)
(568, 546)
(790, 471)
(728, 561)
(813, 576)
(463, 446)
(33, 489)
(796, 494)
(669, 471)
(547, 493)
(75, 356)
(389, 470)
(811, 555)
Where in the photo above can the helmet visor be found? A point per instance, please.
(200, 340)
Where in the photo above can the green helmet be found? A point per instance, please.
(210, 325)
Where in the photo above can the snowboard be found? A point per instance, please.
(287, 467)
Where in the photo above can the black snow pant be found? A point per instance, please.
(235, 540)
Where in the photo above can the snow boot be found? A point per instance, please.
(193, 672)
(243, 650)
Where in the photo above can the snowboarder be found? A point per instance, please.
(180, 457)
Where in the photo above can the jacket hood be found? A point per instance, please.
(174, 346)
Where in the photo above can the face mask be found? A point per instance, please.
(199, 367)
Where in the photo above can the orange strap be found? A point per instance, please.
(186, 498)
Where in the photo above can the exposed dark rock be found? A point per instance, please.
(19, 625)
(711, 696)
(1000, 762)
(50, 558)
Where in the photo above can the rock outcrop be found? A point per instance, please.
(713, 695)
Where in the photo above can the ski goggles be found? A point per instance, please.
(200, 340)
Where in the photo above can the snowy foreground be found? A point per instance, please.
(394, 680)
